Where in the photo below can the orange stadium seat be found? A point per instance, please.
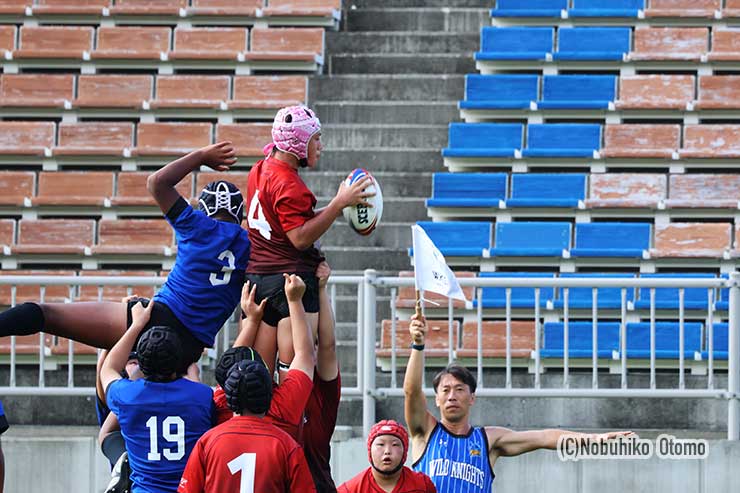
(246, 8)
(166, 139)
(288, 44)
(133, 42)
(248, 138)
(16, 186)
(238, 178)
(7, 37)
(641, 141)
(54, 42)
(41, 90)
(134, 236)
(114, 293)
(209, 43)
(54, 236)
(148, 7)
(494, 339)
(191, 91)
(436, 342)
(626, 190)
(301, 8)
(655, 92)
(725, 45)
(406, 297)
(32, 292)
(670, 43)
(732, 8)
(26, 138)
(132, 191)
(7, 232)
(252, 91)
(74, 188)
(14, 7)
(704, 190)
(683, 8)
(711, 141)
(94, 138)
(60, 347)
(71, 7)
(113, 91)
(691, 240)
(718, 92)
(24, 344)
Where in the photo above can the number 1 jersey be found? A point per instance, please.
(278, 201)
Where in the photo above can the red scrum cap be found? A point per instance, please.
(388, 427)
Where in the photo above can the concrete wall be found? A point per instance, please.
(42, 459)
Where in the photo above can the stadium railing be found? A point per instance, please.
(370, 288)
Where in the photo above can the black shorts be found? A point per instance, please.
(3, 424)
(272, 287)
(192, 347)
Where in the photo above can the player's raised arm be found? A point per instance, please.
(508, 443)
(253, 316)
(116, 360)
(326, 356)
(161, 184)
(418, 418)
(305, 356)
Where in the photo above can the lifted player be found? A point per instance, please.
(204, 286)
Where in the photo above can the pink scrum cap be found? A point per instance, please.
(293, 128)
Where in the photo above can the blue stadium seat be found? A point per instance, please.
(520, 297)
(468, 189)
(515, 91)
(577, 91)
(667, 298)
(592, 43)
(580, 339)
(721, 344)
(626, 240)
(546, 190)
(530, 8)
(484, 139)
(606, 8)
(608, 298)
(458, 238)
(515, 43)
(666, 340)
(531, 239)
(562, 140)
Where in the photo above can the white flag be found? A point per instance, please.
(431, 272)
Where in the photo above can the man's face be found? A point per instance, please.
(453, 398)
(314, 150)
(386, 452)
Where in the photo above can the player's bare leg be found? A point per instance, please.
(266, 344)
(285, 348)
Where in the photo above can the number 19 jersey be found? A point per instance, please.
(278, 201)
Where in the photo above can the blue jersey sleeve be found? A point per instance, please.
(187, 222)
(3, 420)
(114, 393)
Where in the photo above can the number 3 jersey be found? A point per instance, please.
(246, 454)
(277, 202)
(160, 422)
(205, 284)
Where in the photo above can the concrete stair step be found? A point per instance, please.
(401, 42)
(445, 19)
(381, 259)
(396, 112)
(404, 63)
(378, 159)
(387, 87)
(392, 183)
(386, 235)
(395, 210)
(362, 135)
(366, 4)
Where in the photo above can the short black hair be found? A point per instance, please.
(459, 372)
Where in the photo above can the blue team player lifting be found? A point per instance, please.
(204, 286)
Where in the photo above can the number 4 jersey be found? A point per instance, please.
(246, 454)
(160, 422)
(278, 201)
(205, 284)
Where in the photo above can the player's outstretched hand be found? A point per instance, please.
(323, 271)
(140, 315)
(294, 287)
(418, 329)
(252, 310)
(219, 157)
(355, 194)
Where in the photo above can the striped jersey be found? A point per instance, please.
(457, 463)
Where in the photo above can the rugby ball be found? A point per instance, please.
(363, 219)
